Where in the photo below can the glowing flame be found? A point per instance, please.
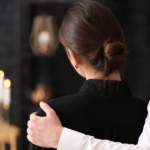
(1, 74)
(7, 83)
(44, 37)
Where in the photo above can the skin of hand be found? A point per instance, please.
(44, 131)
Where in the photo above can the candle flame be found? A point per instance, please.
(44, 37)
(1, 74)
(7, 83)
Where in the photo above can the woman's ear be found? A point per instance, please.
(75, 60)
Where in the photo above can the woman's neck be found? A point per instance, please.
(99, 75)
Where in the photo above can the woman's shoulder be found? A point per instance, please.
(66, 102)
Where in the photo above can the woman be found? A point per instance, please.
(104, 107)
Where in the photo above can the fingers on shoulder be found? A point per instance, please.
(33, 116)
(47, 108)
(31, 139)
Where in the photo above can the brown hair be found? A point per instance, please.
(91, 30)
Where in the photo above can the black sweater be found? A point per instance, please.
(105, 110)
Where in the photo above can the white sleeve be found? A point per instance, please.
(144, 139)
(72, 140)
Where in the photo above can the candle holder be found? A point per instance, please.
(41, 93)
(6, 113)
(1, 113)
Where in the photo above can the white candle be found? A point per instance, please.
(1, 85)
(7, 92)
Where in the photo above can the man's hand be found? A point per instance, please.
(44, 131)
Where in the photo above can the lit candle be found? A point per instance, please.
(44, 37)
(7, 94)
(1, 85)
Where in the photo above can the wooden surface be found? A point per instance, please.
(8, 134)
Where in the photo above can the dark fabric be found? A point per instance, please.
(106, 110)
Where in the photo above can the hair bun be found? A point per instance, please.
(115, 52)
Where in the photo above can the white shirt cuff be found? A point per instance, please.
(73, 138)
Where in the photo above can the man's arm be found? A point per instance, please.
(49, 132)
(72, 140)
(144, 139)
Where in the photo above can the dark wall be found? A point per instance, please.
(9, 60)
(9, 52)
(138, 39)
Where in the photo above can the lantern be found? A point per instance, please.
(44, 39)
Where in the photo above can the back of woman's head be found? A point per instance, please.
(91, 30)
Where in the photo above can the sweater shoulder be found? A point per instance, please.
(63, 102)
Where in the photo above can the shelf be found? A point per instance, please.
(49, 1)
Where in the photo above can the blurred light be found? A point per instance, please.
(7, 83)
(41, 93)
(44, 37)
(1, 74)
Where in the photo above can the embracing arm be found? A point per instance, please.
(51, 133)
